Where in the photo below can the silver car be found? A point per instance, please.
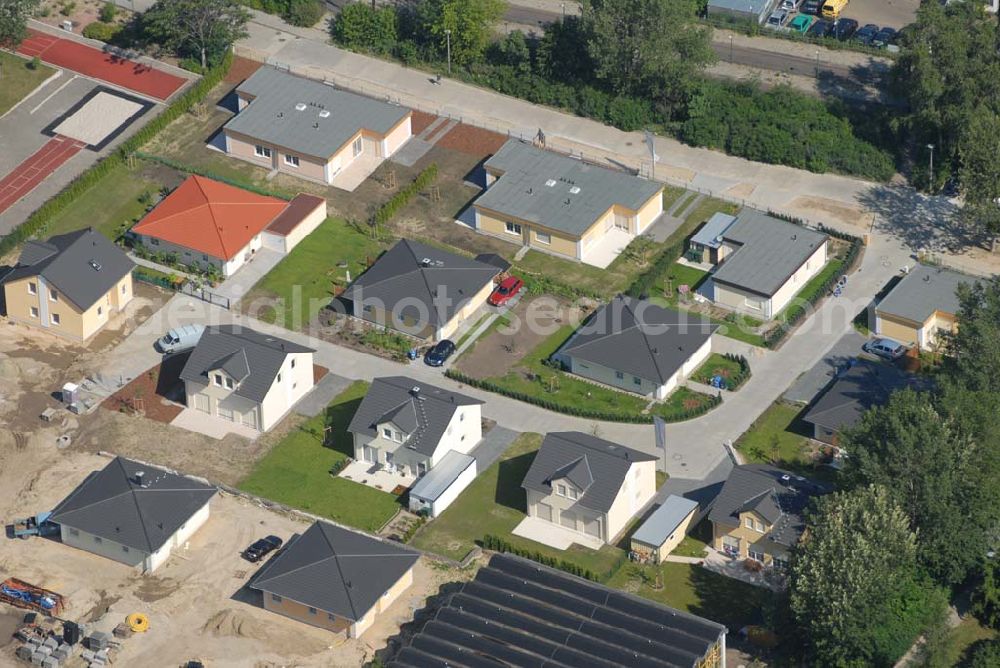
(885, 348)
(777, 19)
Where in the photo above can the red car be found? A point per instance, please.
(508, 288)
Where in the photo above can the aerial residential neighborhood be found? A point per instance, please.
(499, 333)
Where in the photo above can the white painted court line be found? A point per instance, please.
(52, 94)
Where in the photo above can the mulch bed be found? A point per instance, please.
(241, 69)
(472, 140)
(152, 393)
(420, 121)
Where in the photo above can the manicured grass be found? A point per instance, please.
(671, 194)
(678, 275)
(470, 331)
(698, 215)
(696, 590)
(590, 279)
(302, 283)
(110, 207)
(495, 504)
(716, 365)
(680, 399)
(685, 205)
(296, 470)
(777, 437)
(690, 547)
(959, 640)
(18, 78)
(834, 267)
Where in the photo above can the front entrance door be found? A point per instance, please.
(622, 222)
(593, 528)
(201, 402)
(250, 419)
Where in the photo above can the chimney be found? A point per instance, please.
(415, 390)
(140, 478)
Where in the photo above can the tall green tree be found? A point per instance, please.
(984, 654)
(14, 16)
(361, 27)
(469, 22)
(985, 596)
(647, 47)
(979, 170)
(854, 588)
(203, 28)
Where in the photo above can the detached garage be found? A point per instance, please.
(302, 215)
(436, 490)
(664, 530)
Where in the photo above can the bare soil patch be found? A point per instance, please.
(241, 69)
(472, 140)
(420, 121)
(157, 394)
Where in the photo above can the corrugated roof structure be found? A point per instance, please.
(519, 613)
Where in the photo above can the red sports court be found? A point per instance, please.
(97, 64)
(33, 171)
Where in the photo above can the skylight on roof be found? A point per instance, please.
(551, 183)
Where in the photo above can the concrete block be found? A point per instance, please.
(87, 655)
(24, 652)
(50, 662)
(51, 643)
(37, 658)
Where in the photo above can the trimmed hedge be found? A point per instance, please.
(403, 197)
(497, 544)
(209, 174)
(635, 418)
(646, 281)
(736, 382)
(36, 222)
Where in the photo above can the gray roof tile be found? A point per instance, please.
(522, 191)
(923, 291)
(111, 503)
(423, 411)
(607, 462)
(862, 386)
(335, 570)
(252, 358)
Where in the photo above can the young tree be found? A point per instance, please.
(14, 16)
(470, 23)
(361, 27)
(854, 588)
(202, 27)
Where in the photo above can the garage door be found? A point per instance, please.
(593, 528)
(568, 520)
(544, 512)
(201, 402)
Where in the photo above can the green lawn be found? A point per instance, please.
(777, 437)
(110, 207)
(958, 641)
(693, 589)
(698, 215)
(18, 78)
(302, 283)
(834, 267)
(677, 275)
(716, 365)
(296, 471)
(671, 194)
(494, 504)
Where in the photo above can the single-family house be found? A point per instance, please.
(242, 376)
(310, 129)
(409, 426)
(759, 513)
(205, 223)
(588, 485)
(133, 513)
(564, 206)
(335, 579)
(517, 612)
(663, 530)
(921, 307)
(761, 262)
(420, 290)
(637, 346)
(865, 384)
(70, 285)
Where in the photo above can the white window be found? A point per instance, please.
(34, 311)
(387, 433)
(619, 375)
(53, 296)
(124, 288)
(561, 490)
(100, 310)
(55, 319)
(229, 383)
(760, 527)
(279, 377)
(422, 467)
(293, 363)
(572, 492)
(261, 151)
(756, 556)
(755, 304)
(543, 238)
(275, 598)
(636, 380)
(292, 160)
(749, 523)
(358, 147)
(312, 611)
(32, 288)
(461, 417)
(512, 228)
(332, 617)
(218, 379)
(124, 548)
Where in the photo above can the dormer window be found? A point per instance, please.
(561, 490)
(229, 383)
(217, 379)
(387, 433)
(760, 527)
(749, 523)
(571, 493)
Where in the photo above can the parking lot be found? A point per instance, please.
(892, 13)
(197, 603)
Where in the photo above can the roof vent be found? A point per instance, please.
(426, 262)
(415, 390)
(95, 265)
(140, 478)
(786, 478)
(324, 113)
(550, 183)
(301, 106)
(575, 190)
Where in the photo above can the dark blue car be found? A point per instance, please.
(440, 353)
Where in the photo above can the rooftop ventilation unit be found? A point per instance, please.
(426, 262)
(324, 113)
(550, 183)
(575, 190)
(301, 106)
(95, 265)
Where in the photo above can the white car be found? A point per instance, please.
(777, 19)
(790, 5)
(180, 339)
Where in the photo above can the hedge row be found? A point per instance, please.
(497, 544)
(36, 222)
(735, 382)
(403, 197)
(635, 418)
(209, 174)
(646, 281)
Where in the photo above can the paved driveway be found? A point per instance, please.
(240, 283)
(812, 382)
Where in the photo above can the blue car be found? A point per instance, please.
(440, 353)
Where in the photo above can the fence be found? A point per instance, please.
(205, 295)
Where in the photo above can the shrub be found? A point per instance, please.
(304, 13)
(108, 12)
(102, 32)
(403, 197)
(497, 544)
(67, 8)
(35, 63)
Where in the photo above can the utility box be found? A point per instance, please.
(70, 393)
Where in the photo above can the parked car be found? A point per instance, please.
(440, 353)
(866, 34)
(885, 348)
(812, 7)
(261, 548)
(507, 290)
(777, 19)
(844, 29)
(885, 37)
(790, 5)
(800, 24)
(180, 338)
(832, 8)
(822, 28)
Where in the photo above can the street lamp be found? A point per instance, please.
(817, 63)
(447, 35)
(563, 5)
(730, 47)
(930, 173)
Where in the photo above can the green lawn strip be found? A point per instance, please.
(671, 194)
(302, 281)
(699, 215)
(680, 399)
(495, 504)
(833, 268)
(685, 205)
(20, 77)
(698, 591)
(733, 330)
(470, 331)
(716, 365)
(778, 438)
(110, 206)
(296, 470)
(584, 277)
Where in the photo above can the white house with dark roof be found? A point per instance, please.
(133, 513)
(586, 486)
(242, 376)
(409, 427)
(761, 262)
(637, 346)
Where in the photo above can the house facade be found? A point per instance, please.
(922, 308)
(588, 485)
(71, 285)
(241, 376)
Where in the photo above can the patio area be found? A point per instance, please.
(377, 476)
(607, 248)
(553, 535)
(723, 564)
(209, 425)
(355, 174)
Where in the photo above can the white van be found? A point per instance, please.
(180, 339)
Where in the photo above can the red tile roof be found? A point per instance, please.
(210, 217)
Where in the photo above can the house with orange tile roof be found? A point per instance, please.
(206, 223)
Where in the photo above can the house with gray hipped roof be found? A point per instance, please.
(587, 485)
(133, 513)
(310, 129)
(760, 513)
(637, 346)
(922, 307)
(408, 426)
(70, 285)
(760, 262)
(335, 579)
(562, 205)
(420, 290)
(243, 376)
